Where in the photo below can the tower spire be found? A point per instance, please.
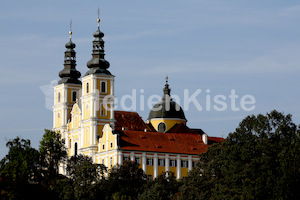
(98, 20)
(69, 74)
(98, 64)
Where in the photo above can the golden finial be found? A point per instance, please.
(70, 32)
(98, 20)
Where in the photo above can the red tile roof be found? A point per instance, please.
(180, 128)
(179, 139)
(130, 121)
(183, 143)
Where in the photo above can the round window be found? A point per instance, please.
(161, 127)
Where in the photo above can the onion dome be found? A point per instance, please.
(98, 64)
(166, 108)
(69, 74)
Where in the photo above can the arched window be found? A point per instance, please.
(75, 149)
(74, 96)
(103, 87)
(87, 88)
(58, 115)
(58, 97)
(161, 127)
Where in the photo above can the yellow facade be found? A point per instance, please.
(63, 104)
(168, 122)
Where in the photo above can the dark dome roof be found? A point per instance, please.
(70, 45)
(70, 74)
(166, 109)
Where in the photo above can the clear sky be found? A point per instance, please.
(252, 47)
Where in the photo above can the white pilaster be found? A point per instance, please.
(120, 160)
(132, 156)
(190, 163)
(178, 167)
(167, 163)
(155, 168)
(144, 162)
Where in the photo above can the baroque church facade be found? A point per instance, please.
(88, 123)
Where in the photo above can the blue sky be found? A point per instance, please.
(252, 47)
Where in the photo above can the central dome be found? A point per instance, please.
(166, 109)
(166, 113)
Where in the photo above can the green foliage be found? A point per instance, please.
(128, 180)
(63, 188)
(164, 187)
(200, 182)
(85, 176)
(18, 169)
(53, 152)
(260, 160)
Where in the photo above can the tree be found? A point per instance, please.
(164, 187)
(85, 176)
(63, 189)
(126, 181)
(53, 152)
(201, 180)
(260, 160)
(18, 169)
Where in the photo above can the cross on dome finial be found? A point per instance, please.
(70, 32)
(167, 78)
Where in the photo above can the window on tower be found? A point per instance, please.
(103, 87)
(58, 97)
(103, 111)
(74, 96)
(87, 88)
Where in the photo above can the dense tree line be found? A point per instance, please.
(260, 160)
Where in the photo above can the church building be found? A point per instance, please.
(90, 126)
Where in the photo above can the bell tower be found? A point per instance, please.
(97, 85)
(67, 91)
